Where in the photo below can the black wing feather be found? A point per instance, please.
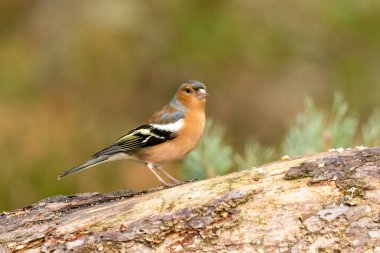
(141, 137)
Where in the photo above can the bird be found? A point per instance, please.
(168, 135)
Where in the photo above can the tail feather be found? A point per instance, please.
(86, 165)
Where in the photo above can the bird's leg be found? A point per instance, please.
(175, 181)
(151, 167)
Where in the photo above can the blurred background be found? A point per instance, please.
(74, 76)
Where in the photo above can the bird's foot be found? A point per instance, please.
(173, 183)
(177, 182)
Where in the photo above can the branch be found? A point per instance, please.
(328, 201)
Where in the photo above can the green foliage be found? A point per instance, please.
(342, 127)
(254, 154)
(214, 157)
(305, 136)
(371, 130)
(314, 132)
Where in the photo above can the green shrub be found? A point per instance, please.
(313, 131)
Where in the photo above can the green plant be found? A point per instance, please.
(214, 157)
(314, 132)
(254, 154)
(341, 127)
(305, 136)
(371, 130)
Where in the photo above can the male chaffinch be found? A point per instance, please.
(168, 135)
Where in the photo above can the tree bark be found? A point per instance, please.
(328, 202)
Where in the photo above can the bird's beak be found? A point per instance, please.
(202, 94)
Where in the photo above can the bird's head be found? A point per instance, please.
(192, 93)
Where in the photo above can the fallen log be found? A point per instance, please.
(326, 202)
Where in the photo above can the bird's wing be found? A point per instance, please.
(146, 135)
(167, 115)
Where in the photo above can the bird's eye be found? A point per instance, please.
(187, 90)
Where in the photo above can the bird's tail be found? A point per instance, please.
(86, 165)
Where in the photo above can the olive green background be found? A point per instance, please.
(76, 75)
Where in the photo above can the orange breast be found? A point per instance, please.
(187, 139)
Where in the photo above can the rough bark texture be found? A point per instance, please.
(328, 202)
